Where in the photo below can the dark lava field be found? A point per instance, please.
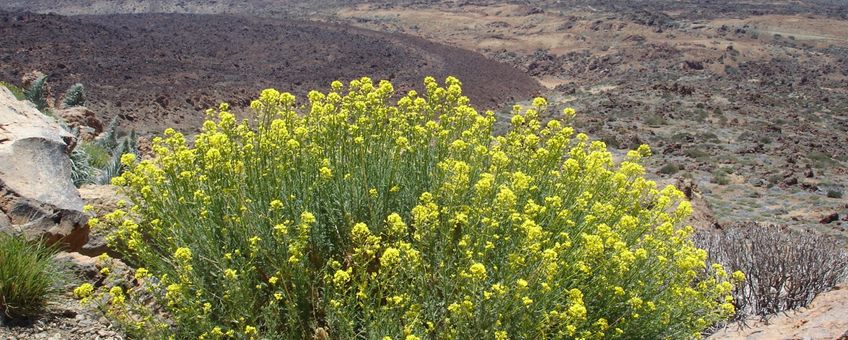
(160, 70)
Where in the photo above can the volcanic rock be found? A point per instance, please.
(830, 218)
(37, 197)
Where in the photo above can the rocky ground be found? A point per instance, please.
(64, 319)
(748, 99)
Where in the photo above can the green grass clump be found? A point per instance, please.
(670, 169)
(821, 160)
(696, 153)
(98, 156)
(16, 91)
(28, 277)
(721, 176)
(354, 217)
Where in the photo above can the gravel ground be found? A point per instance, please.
(64, 319)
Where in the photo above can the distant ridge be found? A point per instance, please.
(159, 70)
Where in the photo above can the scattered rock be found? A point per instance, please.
(37, 195)
(830, 218)
(65, 318)
(89, 269)
(693, 65)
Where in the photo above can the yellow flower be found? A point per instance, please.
(521, 283)
(83, 291)
(276, 205)
(618, 291)
(326, 173)
(390, 257)
(478, 271)
(183, 254)
(307, 217)
(250, 330)
(230, 274)
(117, 295)
(341, 277)
(396, 224)
(141, 273)
(360, 230)
(127, 159)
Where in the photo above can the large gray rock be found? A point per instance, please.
(37, 197)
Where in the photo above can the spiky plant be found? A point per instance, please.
(114, 168)
(81, 170)
(36, 93)
(109, 140)
(74, 96)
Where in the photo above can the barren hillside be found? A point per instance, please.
(159, 70)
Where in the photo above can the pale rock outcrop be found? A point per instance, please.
(37, 196)
(82, 118)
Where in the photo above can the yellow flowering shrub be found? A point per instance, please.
(367, 216)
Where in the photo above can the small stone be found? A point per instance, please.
(829, 218)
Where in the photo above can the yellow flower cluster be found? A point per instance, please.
(407, 220)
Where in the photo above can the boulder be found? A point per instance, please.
(83, 119)
(37, 197)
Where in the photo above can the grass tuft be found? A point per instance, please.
(28, 277)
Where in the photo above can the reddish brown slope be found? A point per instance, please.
(159, 70)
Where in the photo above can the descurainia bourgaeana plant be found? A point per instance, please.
(353, 217)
